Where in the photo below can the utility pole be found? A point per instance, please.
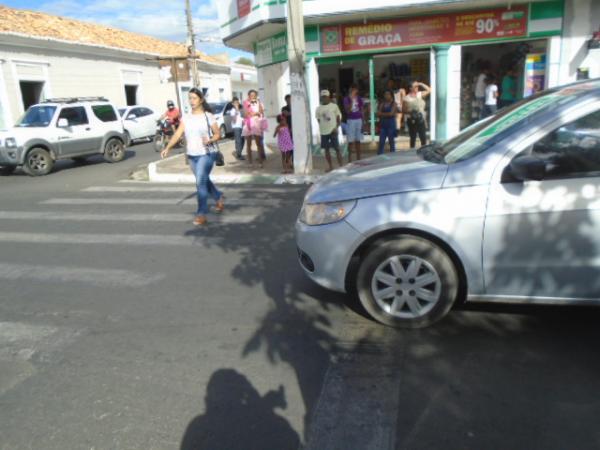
(300, 109)
(192, 40)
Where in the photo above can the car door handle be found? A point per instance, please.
(62, 138)
(88, 129)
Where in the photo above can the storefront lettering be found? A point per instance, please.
(490, 24)
(381, 39)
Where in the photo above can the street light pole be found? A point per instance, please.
(299, 92)
(192, 39)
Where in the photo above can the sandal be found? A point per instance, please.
(220, 206)
(199, 220)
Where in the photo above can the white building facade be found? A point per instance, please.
(442, 43)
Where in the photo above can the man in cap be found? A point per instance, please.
(329, 117)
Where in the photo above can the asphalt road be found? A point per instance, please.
(124, 327)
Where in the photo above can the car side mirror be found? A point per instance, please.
(527, 167)
(62, 123)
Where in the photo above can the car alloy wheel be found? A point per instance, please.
(114, 151)
(38, 162)
(407, 282)
(406, 286)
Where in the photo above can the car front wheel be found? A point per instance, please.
(407, 282)
(114, 150)
(38, 162)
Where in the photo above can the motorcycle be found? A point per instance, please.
(164, 132)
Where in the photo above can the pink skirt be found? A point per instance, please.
(252, 127)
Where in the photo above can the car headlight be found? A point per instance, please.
(10, 143)
(325, 213)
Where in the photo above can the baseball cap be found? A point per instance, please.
(170, 103)
(325, 93)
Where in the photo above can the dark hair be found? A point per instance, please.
(280, 117)
(287, 96)
(251, 91)
(490, 79)
(235, 99)
(205, 106)
(388, 91)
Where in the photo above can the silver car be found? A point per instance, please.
(506, 211)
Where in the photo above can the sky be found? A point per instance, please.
(164, 19)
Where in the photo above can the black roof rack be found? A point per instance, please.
(75, 99)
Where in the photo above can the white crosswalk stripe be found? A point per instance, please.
(116, 217)
(155, 201)
(61, 274)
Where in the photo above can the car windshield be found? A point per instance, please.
(122, 111)
(217, 108)
(37, 116)
(478, 137)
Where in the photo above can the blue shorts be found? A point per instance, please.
(354, 130)
(330, 141)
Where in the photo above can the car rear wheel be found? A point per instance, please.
(407, 282)
(7, 170)
(114, 150)
(38, 162)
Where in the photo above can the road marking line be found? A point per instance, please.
(159, 188)
(104, 239)
(62, 274)
(94, 217)
(156, 201)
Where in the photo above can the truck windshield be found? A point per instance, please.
(37, 116)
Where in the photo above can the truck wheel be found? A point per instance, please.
(114, 151)
(38, 162)
(407, 282)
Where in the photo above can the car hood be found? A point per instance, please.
(18, 133)
(381, 175)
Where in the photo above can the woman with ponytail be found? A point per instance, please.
(201, 131)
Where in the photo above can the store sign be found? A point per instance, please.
(272, 50)
(486, 24)
(244, 7)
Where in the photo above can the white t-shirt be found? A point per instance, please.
(480, 86)
(237, 120)
(196, 127)
(490, 94)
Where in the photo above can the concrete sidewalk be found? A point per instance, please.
(175, 170)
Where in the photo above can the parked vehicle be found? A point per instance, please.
(164, 132)
(506, 211)
(139, 122)
(62, 128)
(221, 113)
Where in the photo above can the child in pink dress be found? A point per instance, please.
(285, 144)
(254, 121)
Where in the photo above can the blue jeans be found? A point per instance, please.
(201, 167)
(239, 141)
(387, 133)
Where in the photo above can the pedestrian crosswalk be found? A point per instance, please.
(130, 215)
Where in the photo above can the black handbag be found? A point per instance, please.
(213, 147)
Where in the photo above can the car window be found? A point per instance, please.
(572, 150)
(105, 113)
(134, 112)
(144, 112)
(37, 116)
(75, 115)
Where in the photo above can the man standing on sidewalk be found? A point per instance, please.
(237, 122)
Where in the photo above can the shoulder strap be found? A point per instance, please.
(210, 132)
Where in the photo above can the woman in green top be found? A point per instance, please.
(508, 91)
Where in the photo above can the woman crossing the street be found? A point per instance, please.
(201, 132)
